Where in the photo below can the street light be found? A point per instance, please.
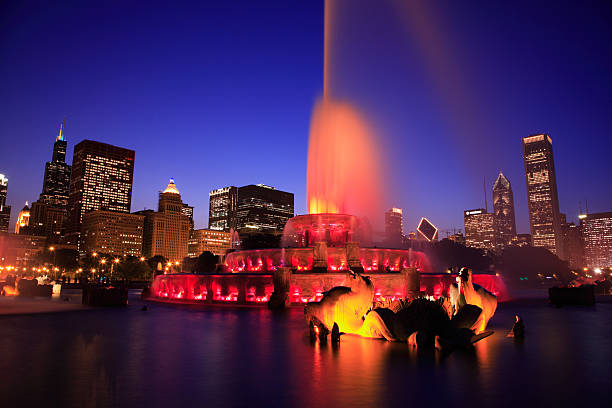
(52, 249)
(115, 261)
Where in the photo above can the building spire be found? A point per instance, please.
(60, 135)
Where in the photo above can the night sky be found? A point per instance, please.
(221, 94)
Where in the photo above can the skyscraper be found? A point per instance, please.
(222, 209)
(101, 179)
(479, 228)
(597, 233)
(5, 210)
(49, 213)
(573, 246)
(544, 216)
(166, 232)
(394, 226)
(56, 183)
(503, 208)
(262, 208)
(188, 211)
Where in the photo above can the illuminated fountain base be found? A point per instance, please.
(317, 250)
(255, 289)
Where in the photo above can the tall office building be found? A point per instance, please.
(5, 210)
(503, 208)
(112, 233)
(188, 211)
(166, 232)
(262, 208)
(49, 213)
(544, 215)
(101, 179)
(222, 209)
(479, 228)
(573, 246)
(394, 226)
(597, 235)
(56, 184)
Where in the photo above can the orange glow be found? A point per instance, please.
(10, 290)
(343, 172)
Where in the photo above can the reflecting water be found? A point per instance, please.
(177, 356)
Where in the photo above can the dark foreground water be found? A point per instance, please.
(174, 356)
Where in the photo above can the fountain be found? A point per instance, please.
(344, 191)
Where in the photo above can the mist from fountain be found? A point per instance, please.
(344, 165)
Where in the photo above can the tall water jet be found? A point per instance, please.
(344, 170)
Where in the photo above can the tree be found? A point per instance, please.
(132, 268)
(154, 261)
(206, 263)
(66, 258)
(533, 263)
(447, 253)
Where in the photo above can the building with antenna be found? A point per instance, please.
(56, 183)
(48, 214)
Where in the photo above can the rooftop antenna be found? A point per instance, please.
(484, 188)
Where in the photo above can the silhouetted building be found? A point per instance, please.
(543, 200)
(458, 237)
(166, 232)
(47, 220)
(56, 184)
(503, 208)
(5, 210)
(23, 220)
(217, 242)
(573, 245)
(597, 234)
(394, 226)
(261, 208)
(479, 228)
(101, 179)
(112, 233)
(222, 209)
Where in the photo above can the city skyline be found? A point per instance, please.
(265, 135)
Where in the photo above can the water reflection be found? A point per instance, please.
(174, 356)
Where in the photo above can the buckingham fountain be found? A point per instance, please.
(331, 247)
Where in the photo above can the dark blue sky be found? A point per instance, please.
(221, 94)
